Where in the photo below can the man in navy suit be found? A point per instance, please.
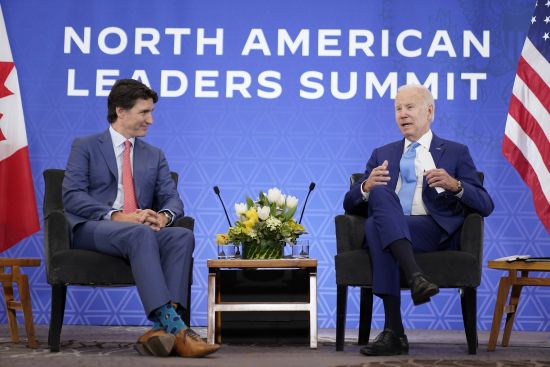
(120, 200)
(415, 192)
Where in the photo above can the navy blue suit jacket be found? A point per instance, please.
(446, 209)
(91, 179)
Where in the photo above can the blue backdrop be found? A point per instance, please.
(258, 94)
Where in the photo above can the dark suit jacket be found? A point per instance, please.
(446, 209)
(91, 179)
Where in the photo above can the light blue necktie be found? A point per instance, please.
(408, 178)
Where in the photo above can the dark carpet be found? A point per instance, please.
(113, 346)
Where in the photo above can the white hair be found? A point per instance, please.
(424, 93)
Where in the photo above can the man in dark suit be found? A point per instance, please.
(414, 191)
(120, 200)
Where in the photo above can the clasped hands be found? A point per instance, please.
(436, 177)
(142, 216)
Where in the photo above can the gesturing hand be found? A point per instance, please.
(438, 177)
(378, 176)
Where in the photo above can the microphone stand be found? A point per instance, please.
(311, 187)
(217, 192)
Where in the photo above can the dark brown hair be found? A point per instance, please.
(125, 93)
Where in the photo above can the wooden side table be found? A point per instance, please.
(24, 304)
(216, 305)
(516, 283)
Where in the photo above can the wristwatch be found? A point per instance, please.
(459, 186)
(168, 216)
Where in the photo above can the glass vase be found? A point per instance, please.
(263, 250)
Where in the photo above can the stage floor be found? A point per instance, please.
(113, 346)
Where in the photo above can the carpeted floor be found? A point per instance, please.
(113, 346)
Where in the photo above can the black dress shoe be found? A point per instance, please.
(422, 289)
(387, 343)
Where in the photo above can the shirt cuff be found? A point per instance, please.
(364, 194)
(109, 214)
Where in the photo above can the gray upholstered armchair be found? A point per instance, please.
(66, 266)
(448, 269)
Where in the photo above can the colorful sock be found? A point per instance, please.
(157, 325)
(169, 319)
(179, 309)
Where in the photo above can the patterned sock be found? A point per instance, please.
(157, 325)
(169, 319)
(179, 310)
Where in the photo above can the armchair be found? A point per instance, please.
(448, 269)
(66, 266)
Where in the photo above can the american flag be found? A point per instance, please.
(527, 135)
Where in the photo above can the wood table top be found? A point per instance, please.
(252, 263)
(531, 265)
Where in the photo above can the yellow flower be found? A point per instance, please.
(296, 227)
(222, 239)
(252, 218)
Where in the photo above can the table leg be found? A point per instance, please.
(313, 309)
(26, 305)
(7, 285)
(218, 315)
(503, 289)
(211, 313)
(511, 314)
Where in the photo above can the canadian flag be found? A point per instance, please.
(18, 215)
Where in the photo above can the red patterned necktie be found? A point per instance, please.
(130, 204)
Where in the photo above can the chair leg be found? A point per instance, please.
(59, 295)
(469, 316)
(365, 316)
(187, 312)
(341, 304)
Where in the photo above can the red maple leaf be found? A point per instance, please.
(5, 70)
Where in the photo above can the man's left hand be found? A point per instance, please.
(155, 220)
(438, 177)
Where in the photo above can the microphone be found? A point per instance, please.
(217, 191)
(311, 187)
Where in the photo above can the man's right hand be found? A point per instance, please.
(378, 176)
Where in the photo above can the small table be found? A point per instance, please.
(516, 283)
(215, 304)
(24, 304)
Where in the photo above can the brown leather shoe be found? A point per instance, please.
(155, 342)
(190, 344)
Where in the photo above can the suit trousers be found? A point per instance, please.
(385, 224)
(160, 260)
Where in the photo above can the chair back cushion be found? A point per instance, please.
(354, 178)
(53, 179)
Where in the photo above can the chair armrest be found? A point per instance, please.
(350, 232)
(56, 235)
(185, 222)
(471, 236)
